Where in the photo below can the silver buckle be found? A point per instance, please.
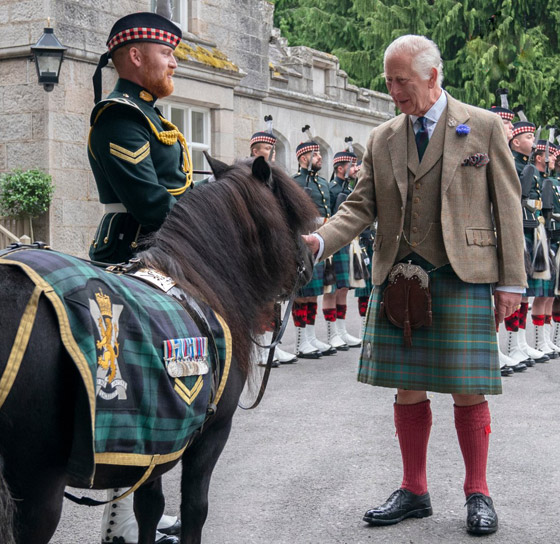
(409, 271)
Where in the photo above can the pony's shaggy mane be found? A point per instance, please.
(235, 244)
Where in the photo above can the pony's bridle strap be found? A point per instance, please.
(279, 329)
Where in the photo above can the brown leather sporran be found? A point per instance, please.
(407, 302)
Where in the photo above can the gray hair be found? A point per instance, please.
(424, 52)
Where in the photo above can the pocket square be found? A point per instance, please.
(478, 160)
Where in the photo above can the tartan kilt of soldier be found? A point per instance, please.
(314, 287)
(536, 287)
(457, 354)
(341, 266)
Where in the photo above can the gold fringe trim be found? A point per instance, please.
(227, 363)
(66, 336)
(20, 345)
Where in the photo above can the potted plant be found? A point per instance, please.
(25, 194)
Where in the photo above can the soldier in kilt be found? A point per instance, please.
(139, 175)
(263, 145)
(304, 310)
(521, 146)
(555, 244)
(440, 180)
(513, 360)
(541, 311)
(334, 300)
(366, 246)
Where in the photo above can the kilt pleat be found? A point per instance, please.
(536, 287)
(457, 354)
(314, 287)
(341, 265)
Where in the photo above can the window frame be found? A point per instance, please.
(187, 111)
(183, 13)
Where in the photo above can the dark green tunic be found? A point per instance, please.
(140, 161)
(318, 190)
(341, 259)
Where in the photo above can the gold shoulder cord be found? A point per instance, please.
(170, 137)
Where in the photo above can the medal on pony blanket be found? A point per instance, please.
(186, 356)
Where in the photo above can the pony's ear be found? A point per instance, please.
(217, 167)
(262, 171)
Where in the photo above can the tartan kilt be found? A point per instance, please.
(457, 354)
(314, 287)
(536, 287)
(341, 266)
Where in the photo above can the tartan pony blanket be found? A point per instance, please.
(148, 367)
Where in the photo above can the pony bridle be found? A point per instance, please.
(279, 329)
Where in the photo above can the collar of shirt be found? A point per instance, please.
(432, 115)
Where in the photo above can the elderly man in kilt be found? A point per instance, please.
(334, 300)
(440, 180)
(304, 310)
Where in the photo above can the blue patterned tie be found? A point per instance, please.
(422, 138)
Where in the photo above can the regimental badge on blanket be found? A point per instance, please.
(186, 356)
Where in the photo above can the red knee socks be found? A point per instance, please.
(362, 305)
(311, 313)
(329, 314)
(413, 423)
(299, 313)
(522, 313)
(512, 322)
(341, 311)
(473, 430)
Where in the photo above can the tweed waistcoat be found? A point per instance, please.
(422, 219)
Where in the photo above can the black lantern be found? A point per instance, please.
(48, 53)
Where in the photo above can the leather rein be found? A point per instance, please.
(279, 329)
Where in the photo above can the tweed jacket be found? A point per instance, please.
(481, 220)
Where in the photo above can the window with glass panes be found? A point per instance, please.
(179, 12)
(194, 123)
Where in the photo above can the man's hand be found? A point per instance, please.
(312, 243)
(506, 303)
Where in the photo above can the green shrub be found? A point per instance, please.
(25, 193)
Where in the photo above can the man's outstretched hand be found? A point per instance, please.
(505, 303)
(312, 243)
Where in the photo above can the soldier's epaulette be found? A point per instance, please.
(102, 105)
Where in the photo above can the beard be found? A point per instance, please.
(158, 85)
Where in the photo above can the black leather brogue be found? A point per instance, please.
(481, 516)
(400, 505)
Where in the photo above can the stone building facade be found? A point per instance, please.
(234, 68)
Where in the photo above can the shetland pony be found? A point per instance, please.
(233, 243)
